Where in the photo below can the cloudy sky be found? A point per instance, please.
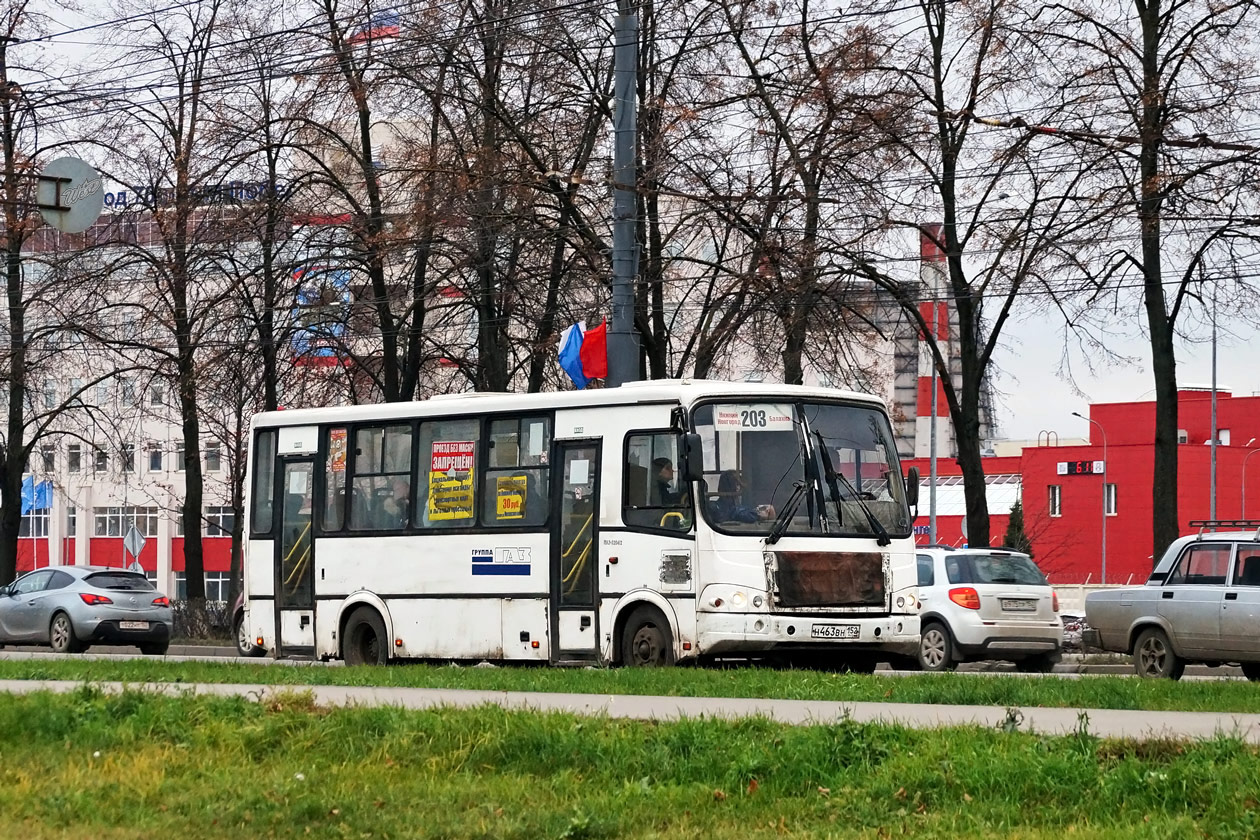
(1035, 393)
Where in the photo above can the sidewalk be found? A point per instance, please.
(1106, 723)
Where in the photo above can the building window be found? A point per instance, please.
(48, 455)
(127, 386)
(179, 456)
(1056, 500)
(72, 521)
(50, 394)
(212, 456)
(155, 458)
(34, 524)
(74, 458)
(156, 395)
(102, 394)
(219, 520)
(100, 460)
(1111, 500)
(76, 389)
(217, 585)
(117, 521)
(128, 457)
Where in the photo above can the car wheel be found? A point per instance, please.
(645, 640)
(1154, 657)
(365, 642)
(61, 635)
(1251, 670)
(244, 644)
(155, 648)
(1040, 664)
(936, 649)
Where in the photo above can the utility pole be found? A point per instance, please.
(1215, 433)
(623, 341)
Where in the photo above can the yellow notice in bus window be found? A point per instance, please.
(510, 496)
(451, 480)
(337, 450)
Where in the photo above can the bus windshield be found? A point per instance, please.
(833, 465)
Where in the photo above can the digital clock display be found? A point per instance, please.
(1080, 468)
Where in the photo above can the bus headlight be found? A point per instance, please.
(738, 599)
(757, 601)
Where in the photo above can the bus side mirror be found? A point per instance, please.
(692, 457)
(912, 487)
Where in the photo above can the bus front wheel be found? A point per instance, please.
(645, 639)
(364, 642)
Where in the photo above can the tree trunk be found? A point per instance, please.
(1165, 524)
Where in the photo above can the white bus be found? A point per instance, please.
(649, 524)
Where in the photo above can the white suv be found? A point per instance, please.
(986, 603)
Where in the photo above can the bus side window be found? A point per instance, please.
(334, 481)
(653, 495)
(514, 490)
(261, 520)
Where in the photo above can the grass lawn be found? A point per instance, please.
(1099, 692)
(116, 767)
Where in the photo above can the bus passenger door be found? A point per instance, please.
(295, 559)
(574, 542)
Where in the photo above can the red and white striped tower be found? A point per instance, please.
(935, 313)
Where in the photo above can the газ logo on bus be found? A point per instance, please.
(501, 561)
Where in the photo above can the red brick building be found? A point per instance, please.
(1061, 487)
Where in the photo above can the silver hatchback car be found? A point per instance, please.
(72, 607)
(986, 603)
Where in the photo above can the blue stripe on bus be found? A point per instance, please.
(500, 569)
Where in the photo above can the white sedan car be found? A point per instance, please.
(986, 603)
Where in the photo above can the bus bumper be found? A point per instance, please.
(732, 633)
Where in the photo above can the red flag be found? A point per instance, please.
(595, 352)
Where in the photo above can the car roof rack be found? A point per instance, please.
(1214, 524)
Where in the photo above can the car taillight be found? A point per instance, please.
(965, 596)
(1054, 601)
(166, 602)
(92, 599)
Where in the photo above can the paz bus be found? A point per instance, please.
(649, 524)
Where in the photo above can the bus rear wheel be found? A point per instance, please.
(364, 642)
(645, 639)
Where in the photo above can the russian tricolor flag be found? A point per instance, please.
(584, 353)
(380, 25)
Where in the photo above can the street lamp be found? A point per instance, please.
(1244, 481)
(1104, 490)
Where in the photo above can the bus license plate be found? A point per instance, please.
(134, 625)
(1019, 605)
(834, 631)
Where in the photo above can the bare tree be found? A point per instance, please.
(1157, 91)
(184, 228)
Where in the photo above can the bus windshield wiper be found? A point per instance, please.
(785, 515)
(881, 533)
(830, 472)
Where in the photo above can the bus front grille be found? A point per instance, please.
(830, 579)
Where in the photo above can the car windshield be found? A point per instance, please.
(129, 581)
(994, 568)
(842, 458)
